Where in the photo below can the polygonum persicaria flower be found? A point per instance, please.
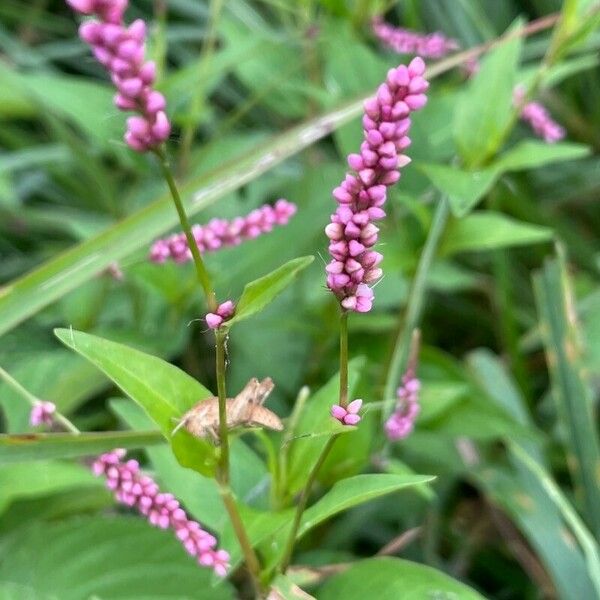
(42, 413)
(405, 41)
(132, 488)
(362, 194)
(224, 312)
(348, 415)
(538, 118)
(402, 421)
(120, 49)
(220, 233)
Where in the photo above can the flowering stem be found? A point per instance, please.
(415, 305)
(289, 546)
(29, 397)
(201, 272)
(221, 340)
(223, 467)
(343, 358)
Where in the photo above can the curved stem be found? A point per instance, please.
(414, 307)
(201, 272)
(29, 397)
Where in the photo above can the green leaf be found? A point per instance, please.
(284, 588)
(42, 446)
(394, 579)
(260, 292)
(463, 188)
(105, 558)
(571, 392)
(531, 154)
(484, 112)
(354, 491)
(29, 480)
(487, 230)
(161, 389)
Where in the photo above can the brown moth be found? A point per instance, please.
(245, 410)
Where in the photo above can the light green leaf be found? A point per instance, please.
(531, 154)
(354, 491)
(394, 579)
(161, 389)
(484, 112)
(32, 479)
(463, 188)
(487, 230)
(562, 341)
(42, 446)
(105, 558)
(260, 292)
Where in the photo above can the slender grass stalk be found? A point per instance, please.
(29, 397)
(201, 272)
(312, 476)
(582, 533)
(416, 300)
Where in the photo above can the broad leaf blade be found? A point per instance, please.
(484, 112)
(394, 579)
(161, 389)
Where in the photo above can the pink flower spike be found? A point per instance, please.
(139, 491)
(120, 49)
(219, 233)
(338, 412)
(362, 194)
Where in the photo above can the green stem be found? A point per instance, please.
(201, 272)
(200, 88)
(29, 397)
(305, 494)
(289, 545)
(242, 537)
(221, 340)
(223, 475)
(415, 304)
(343, 401)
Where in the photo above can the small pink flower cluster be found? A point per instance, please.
(220, 233)
(538, 117)
(402, 421)
(405, 41)
(139, 491)
(348, 415)
(224, 312)
(361, 196)
(42, 413)
(121, 50)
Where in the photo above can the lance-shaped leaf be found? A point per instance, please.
(260, 292)
(42, 446)
(562, 341)
(161, 389)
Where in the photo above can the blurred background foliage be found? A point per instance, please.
(514, 286)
